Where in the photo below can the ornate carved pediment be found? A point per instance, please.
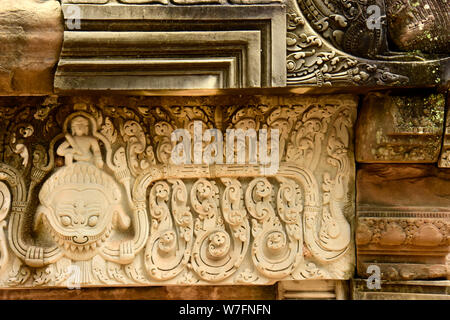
(91, 192)
(327, 43)
(340, 42)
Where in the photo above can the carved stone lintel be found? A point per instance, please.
(344, 43)
(113, 207)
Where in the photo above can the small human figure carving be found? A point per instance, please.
(79, 145)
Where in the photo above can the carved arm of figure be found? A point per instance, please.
(125, 251)
(65, 150)
(97, 153)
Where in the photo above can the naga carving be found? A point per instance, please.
(95, 205)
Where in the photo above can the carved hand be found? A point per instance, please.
(126, 252)
(35, 257)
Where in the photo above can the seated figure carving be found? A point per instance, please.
(80, 204)
(79, 145)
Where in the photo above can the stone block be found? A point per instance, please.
(403, 221)
(313, 290)
(31, 34)
(146, 293)
(444, 159)
(400, 128)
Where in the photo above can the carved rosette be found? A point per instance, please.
(100, 200)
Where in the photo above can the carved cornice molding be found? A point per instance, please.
(133, 47)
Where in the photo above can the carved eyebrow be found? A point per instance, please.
(94, 206)
(94, 210)
(65, 207)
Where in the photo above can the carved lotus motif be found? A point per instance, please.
(393, 235)
(427, 235)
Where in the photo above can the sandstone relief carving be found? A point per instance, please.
(102, 202)
(328, 43)
(176, 2)
(335, 42)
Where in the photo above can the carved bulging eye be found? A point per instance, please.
(92, 222)
(66, 221)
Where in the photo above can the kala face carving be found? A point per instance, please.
(79, 205)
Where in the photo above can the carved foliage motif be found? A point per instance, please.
(344, 24)
(311, 60)
(100, 201)
(340, 42)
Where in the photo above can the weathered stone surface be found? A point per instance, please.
(94, 191)
(203, 47)
(444, 159)
(403, 221)
(419, 25)
(355, 51)
(146, 293)
(402, 290)
(400, 128)
(31, 34)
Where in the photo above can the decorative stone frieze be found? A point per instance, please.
(92, 195)
(403, 221)
(215, 44)
(400, 128)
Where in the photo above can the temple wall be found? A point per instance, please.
(121, 163)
